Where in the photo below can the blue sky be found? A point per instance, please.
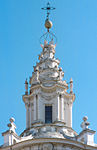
(21, 25)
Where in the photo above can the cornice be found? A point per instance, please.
(50, 89)
(38, 141)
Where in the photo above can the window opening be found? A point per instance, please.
(48, 114)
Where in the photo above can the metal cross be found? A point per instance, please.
(48, 8)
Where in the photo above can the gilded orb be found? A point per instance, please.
(48, 24)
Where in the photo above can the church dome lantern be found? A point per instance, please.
(48, 106)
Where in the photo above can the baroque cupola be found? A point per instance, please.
(47, 101)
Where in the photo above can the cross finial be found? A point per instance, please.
(48, 8)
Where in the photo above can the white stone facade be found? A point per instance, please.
(48, 111)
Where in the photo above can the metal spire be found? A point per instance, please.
(48, 36)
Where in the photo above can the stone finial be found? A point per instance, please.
(85, 123)
(26, 87)
(12, 120)
(12, 125)
(60, 74)
(71, 86)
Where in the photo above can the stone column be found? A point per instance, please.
(70, 114)
(58, 108)
(34, 107)
(54, 110)
(62, 108)
(65, 111)
(27, 115)
(39, 107)
(31, 114)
